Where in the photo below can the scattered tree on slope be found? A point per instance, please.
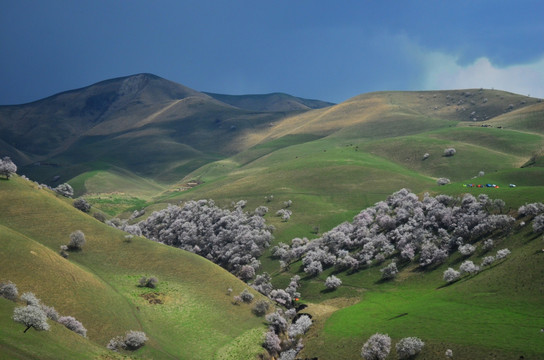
(7, 167)
(402, 226)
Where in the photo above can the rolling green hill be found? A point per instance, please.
(331, 162)
(98, 286)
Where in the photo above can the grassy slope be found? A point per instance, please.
(332, 169)
(333, 162)
(98, 284)
(493, 315)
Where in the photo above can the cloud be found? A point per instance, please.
(442, 71)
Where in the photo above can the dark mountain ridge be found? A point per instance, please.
(136, 122)
(270, 102)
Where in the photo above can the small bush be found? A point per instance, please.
(82, 204)
(72, 324)
(261, 307)
(99, 216)
(488, 244)
(300, 326)
(409, 347)
(467, 249)
(332, 282)
(468, 267)
(150, 282)
(451, 275)
(135, 339)
(77, 240)
(131, 341)
(285, 214)
(538, 224)
(488, 260)
(443, 181)
(30, 299)
(64, 190)
(501, 254)
(50, 312)
(390, 271)
(377, 347)
(9, 291)
(272, 342)
(246, 296)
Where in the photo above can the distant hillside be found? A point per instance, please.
(142, 123)
(270, 102)
(333, 161)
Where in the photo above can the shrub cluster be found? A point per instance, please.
(403, 227)
(131, 341)
(282, 338)
(64, 190)
(82, 204)
(35, 313)
(378, 346)
(231, 239)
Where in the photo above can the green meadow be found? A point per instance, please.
(331, 163)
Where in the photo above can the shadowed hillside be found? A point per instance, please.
(142, 123)
(270, 102)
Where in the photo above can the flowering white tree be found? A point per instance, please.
(409, 347)
(77, 240)
(71, 323)
(377, 347)
(467, 249)
(502, 253)
(332, 282)
(468, 267)
(538, 224)
(31, 316)
(9, 291)
(390, 271)
(7, 167)
(451, 275)
(300, 326)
